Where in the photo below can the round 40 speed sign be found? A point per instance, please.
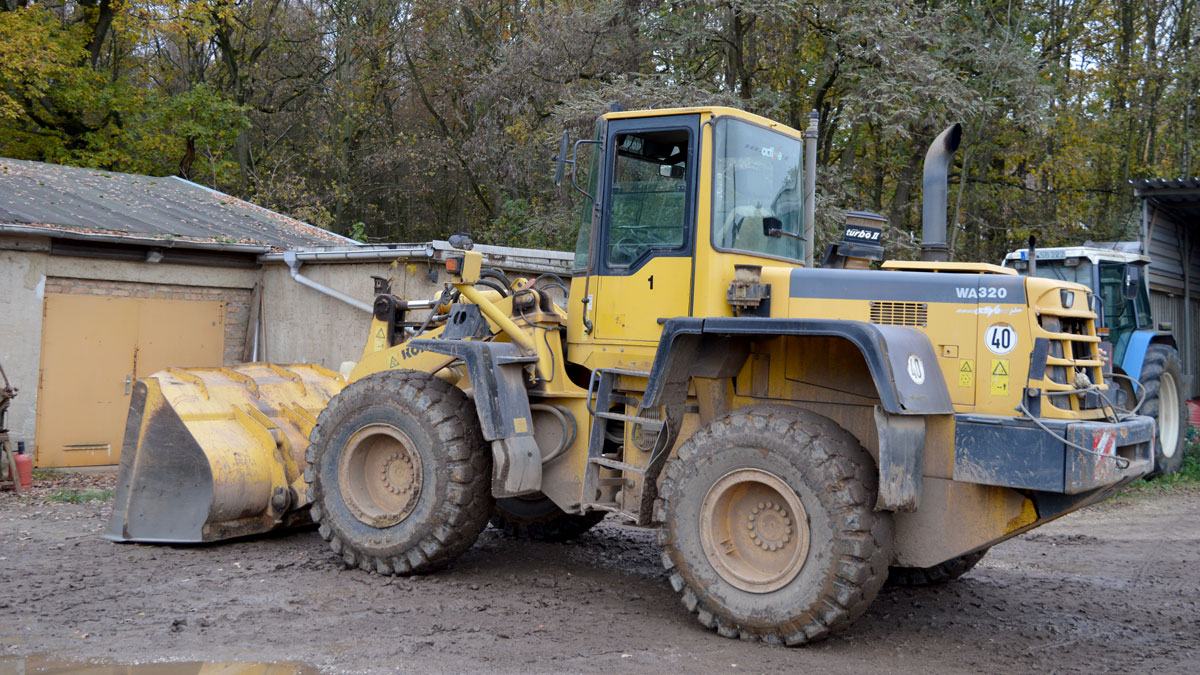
(1000, 338)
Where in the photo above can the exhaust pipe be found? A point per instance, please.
(810, 188)
(934, 200)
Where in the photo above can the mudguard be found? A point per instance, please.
(497, 377)
(1135, 351)
(901, 361)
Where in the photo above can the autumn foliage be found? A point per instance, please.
(411, 120)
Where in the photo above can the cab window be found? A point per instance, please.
(648, 196)
(1118, 312)
(587, 183)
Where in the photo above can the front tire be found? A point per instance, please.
(769, 530)
(1166, 402)
(398, 473)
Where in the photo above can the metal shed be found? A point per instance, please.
(1170, 234)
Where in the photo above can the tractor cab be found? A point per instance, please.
(1116, 277)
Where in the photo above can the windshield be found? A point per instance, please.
(756, 176)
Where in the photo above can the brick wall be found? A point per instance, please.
(237, 302)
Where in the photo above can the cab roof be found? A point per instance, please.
(715, 111)
(1093, 253)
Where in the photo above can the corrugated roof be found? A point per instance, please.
(83, 203)
(1180, 196)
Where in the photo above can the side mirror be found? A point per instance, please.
(772, 226)
(1132, 283)
(561, 157)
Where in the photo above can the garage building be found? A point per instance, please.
(107, 277)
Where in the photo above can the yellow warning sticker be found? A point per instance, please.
(381, 339)
(966, 373)
(520, 425)
(999, 377)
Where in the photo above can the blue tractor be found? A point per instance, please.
(1139, 349)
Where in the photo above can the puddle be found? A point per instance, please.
(43, 666)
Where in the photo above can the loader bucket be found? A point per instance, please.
(215, 453)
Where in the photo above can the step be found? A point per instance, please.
(616, 464)
(647, 423)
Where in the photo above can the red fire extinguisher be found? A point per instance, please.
(24, 466)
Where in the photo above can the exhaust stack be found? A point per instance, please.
(934, 194)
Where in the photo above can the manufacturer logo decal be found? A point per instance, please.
(862, 233)
(988, 292)
(991, 310)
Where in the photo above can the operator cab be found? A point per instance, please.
(672, 200)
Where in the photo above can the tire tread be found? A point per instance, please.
(831, 460)
(467, 503)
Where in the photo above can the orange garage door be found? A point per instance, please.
(93, 348)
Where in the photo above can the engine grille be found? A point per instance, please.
(899, 313)
(1074, 350)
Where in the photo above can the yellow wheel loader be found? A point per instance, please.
(794, 433)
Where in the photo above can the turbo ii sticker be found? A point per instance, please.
(1000, 338)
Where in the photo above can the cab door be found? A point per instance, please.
(647, 230)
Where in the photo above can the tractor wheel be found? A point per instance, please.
(1166, 402)
(931, 576)
(769, 530)
(399, 476)
(537, 517)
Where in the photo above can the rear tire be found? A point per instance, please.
(1166, 402)
(769, 531)
(399, 476)
(937, 574)
(540, 519)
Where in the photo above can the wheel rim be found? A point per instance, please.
(754, 530)
(1168, 415)
(380, 475)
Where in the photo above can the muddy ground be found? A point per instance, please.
(1115, 588)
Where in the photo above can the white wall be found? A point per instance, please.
(22, 278)
(305, 326)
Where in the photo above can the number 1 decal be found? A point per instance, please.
(651, 282)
